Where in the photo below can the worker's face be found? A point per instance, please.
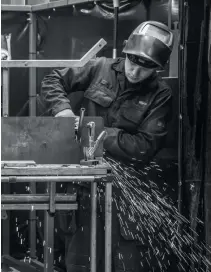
(137, 70)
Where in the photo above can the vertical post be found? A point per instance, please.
(116, 17)
(32, 71)
(5, 92)
(169, 13)
(5, 113)
(49, 231)
(108, 226)
(32, 112)
(93, 242)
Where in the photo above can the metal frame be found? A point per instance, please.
(65, 174)
(46, 6)
(55, 63)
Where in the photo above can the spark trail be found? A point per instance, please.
(156, 218)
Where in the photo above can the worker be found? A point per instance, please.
(135, 104)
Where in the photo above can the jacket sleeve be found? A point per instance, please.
(149, 139)
(56, 86)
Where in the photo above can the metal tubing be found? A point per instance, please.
(169, 13)
(32, 112)
(93, 243)
(32, 71)
(52, 193)
(50, 178)
(48, 242)
(38, 206)
(116, 17)
(5, 90)
(108, 226)
(9, 199)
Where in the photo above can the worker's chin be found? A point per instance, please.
(133, 80)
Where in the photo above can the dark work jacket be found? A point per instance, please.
(135, 115)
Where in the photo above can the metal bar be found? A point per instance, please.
(5, 90)
(38, 206)
(55, 63)
(169, 13)
(116, 17)
(32, 56)
(93, 243)
(48, 242)
(55, 179)
(6, 227)
(57, 172)
(32, 112)
(9, 199)
(24, 8)
(40, 63)
(52, 193)
(93, 51)
(108, 225)
(58, 4)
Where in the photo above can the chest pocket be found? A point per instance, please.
(100, 93)
(132, 114)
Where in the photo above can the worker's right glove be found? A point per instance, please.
(68, 113)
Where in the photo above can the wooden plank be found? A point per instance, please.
(24, 8)
(58, 4)
(45, 140)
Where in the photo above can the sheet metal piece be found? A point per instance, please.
(45, 140)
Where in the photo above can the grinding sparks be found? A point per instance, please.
(155, 215)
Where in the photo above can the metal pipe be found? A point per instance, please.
(32, 112)
(116, 17)
(38, 206)
(81, 118)
(49, 242)
(169, 13)
(50, 178)
(9, 199)
(32, 56)
(93, 243)
(108, 226)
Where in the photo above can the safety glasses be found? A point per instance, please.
(142, 62)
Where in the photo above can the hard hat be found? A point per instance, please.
(151, 40)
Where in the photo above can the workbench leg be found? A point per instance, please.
(6, 226)
(48, 242)
(108, 226)
(93, 241)
(32, 225)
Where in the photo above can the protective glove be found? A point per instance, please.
(68, 113)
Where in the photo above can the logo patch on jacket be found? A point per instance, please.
(142, 103)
